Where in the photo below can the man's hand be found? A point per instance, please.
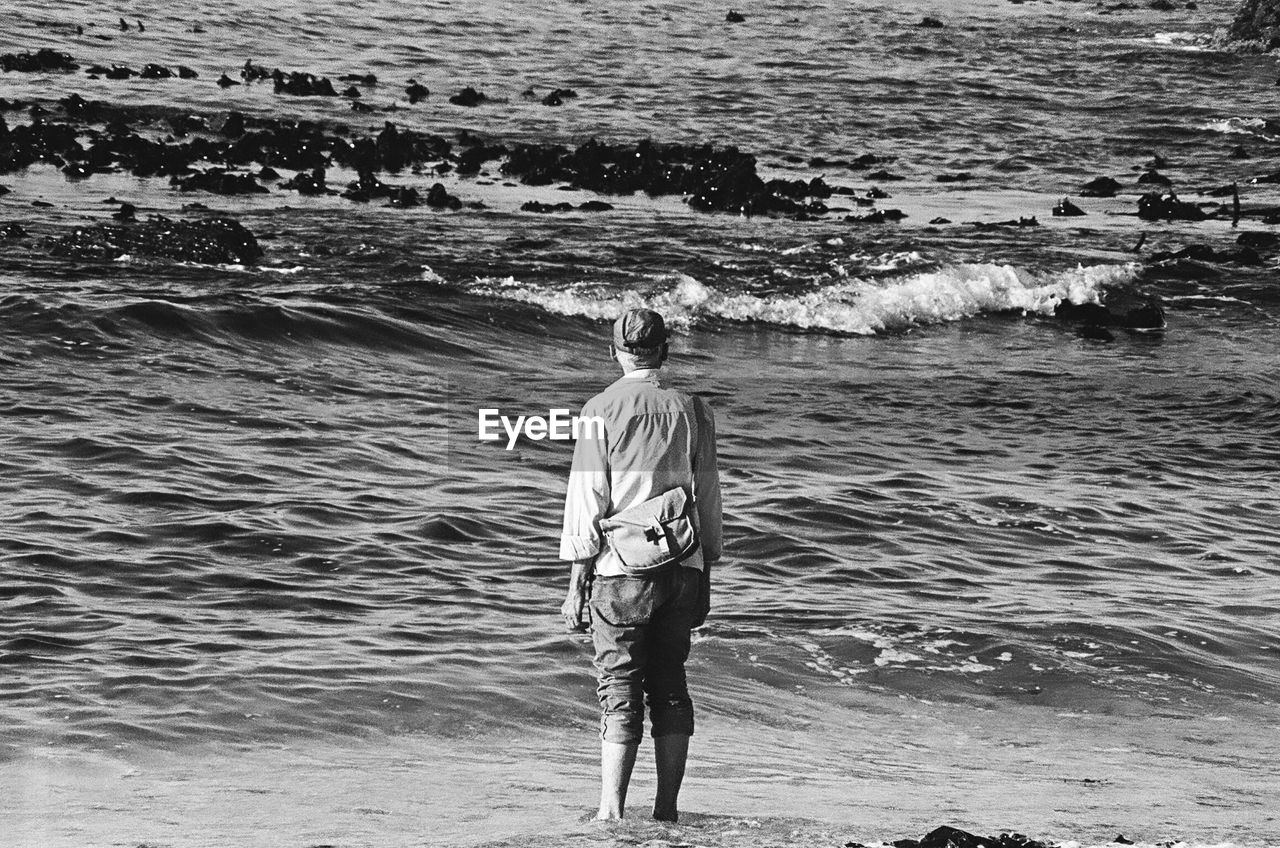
(574, 608)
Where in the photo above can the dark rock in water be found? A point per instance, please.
(44, 59)
(1100, 187)
(884, 176)
(1019, 223)
(866, 160)
(961, 177)
(308, 182)
(363, 79)
(12, 231)
(1258, 240)
(120, 72)
(1162, 5)
(76, 106)
(1239, 152)
(366, 188)
(545, 208)
(232, 125)
(931, 23)
(351, 91)
(468, 97)
(253, 72)
(595, 206)
(1154, 177)
(154, 71)
(76, 171)
(1120, 308)
(559, 96)
(877, 193)
(301, 84)
(4, 190)
(1120, 840)
(880, 216)
(42, 204)
(1258, 23)
(225, 81)
(126, 212)
(439, 198)
(186, 73)
(209, 241)
(1066, 208)
(940, 220)
(416, 91)
(473, 158)
(1167, 207)
(268, 173)
(404, 197)
(735, 17)
(357, 106)
(220, 181)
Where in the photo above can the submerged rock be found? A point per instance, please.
(1154, 177)
(220, 181)
(209, 241)
(1167, 207)
(301, 84)
(1100, 187)
(416, 91)
(440, 198)
(1066, 208)
(468, 97)
(44, 59)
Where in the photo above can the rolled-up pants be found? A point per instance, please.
(641, 626)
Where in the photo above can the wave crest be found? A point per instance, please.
(860, 307)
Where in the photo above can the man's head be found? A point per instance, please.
(640, 339)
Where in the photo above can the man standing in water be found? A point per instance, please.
(642, 526)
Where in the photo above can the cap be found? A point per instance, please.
(638, 329)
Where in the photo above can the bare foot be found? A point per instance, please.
(666, 816)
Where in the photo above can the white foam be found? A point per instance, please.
(857, 306)
(1235, 125)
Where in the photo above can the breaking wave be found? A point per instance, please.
(860, 307)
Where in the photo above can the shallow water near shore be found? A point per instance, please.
(261, 585)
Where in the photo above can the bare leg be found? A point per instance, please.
(670, 753)
(616, 762)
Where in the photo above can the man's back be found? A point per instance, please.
(655, 439)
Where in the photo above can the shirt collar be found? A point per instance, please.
(642, 374)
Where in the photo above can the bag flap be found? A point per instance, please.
(666, 506)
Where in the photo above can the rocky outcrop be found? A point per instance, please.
(1257, 23)
(211, 241)
(40, 61)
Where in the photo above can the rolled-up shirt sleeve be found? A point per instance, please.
(587, 498)
(706, 485)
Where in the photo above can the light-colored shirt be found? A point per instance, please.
(655, 439)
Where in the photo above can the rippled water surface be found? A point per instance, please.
(261, 584)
